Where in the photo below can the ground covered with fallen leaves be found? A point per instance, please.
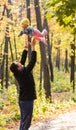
(51, 115)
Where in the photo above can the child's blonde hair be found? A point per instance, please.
(25, 21)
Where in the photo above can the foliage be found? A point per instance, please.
(11, 93)
(8, 105)
(3, 119)
(73, 97)
(64, 11)
(43, 106)
(61, 84)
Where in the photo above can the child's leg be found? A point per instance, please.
(40, 36)
(42, 39)
(37, 33)
(44, 32)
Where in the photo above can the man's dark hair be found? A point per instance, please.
(13, 67)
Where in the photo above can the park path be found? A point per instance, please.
(65, 121)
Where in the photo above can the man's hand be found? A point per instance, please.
(19, 35)
(33, 44)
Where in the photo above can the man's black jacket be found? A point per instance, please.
(25, 78)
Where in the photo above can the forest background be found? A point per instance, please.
(55, 70)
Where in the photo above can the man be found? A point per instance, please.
(27, 93)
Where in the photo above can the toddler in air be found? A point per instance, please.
(32, 32)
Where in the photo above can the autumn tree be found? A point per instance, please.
(65, 14)
(46, 85)
(6, 20)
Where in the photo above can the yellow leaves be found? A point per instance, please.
(5, 27)
(48, 16)
(2, 128)
(72, 52)
(5, 2)
(68, 19)
(2, 2)
(2, 120)
(4, 21)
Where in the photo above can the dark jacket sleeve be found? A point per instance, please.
(23, 58)
(32, 62)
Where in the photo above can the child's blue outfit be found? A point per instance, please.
(29, 31)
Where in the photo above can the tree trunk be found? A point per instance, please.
(49, 49)
(66, 61)
(58, 59)
(6, 52)
(15, 44)
(28, 16)
(40, 86)
(11, 50)
(5, 60)
(2, 69)
(46, 84)
(72, 76)
(5, 57)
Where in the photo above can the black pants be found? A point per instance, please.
(26, 110)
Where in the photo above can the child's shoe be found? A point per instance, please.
(44, 32)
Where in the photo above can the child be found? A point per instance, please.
(30, 31)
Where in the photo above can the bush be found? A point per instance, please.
(61, 82)
(72, 97)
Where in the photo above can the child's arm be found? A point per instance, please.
(24, 31)
(21, 33)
